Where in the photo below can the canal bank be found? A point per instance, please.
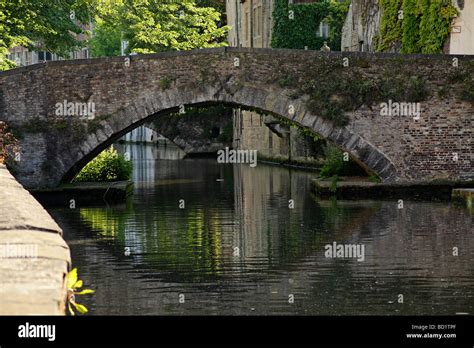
(34, 258)
(85, 193)
(464, 196)
(354, 188)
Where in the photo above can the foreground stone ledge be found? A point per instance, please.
(19, 210)
(34, 258)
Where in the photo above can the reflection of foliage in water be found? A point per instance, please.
(108, 223)
(190, 244)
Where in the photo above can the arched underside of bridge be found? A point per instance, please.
(150, 107)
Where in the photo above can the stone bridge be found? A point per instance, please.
(335, 95)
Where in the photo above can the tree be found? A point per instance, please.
(153, 25)
(107, 34)
(219, 5)
(300, 31)
(42, 24)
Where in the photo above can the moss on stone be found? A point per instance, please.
(165, 83)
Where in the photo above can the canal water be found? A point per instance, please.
(200, 238)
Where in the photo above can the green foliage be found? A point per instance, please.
(334, 180)
(461, 83)
(336, 166)
(106, 41)
(416, 90)
(92, 125)
(467, 90)
(410, 28)
(374, 179)
(334, 91)
(391, 25)
(301, 31)
(165, 83)
(153, 26)
(5, 63)
(309, 134)
(73, 284)
(42, 24)
(287, 81)
(334, 163)
(437, 26)
(217, 4)
(107, 166)
(422, 27)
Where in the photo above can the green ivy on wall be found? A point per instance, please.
(415, 26)
(302, 30)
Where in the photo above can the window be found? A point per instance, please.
(323, 30)
(247, 26)
(257, 21)
(260, 20)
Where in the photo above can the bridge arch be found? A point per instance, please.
(149, 107)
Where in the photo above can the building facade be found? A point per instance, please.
(362, 27)
(23, 56)
(461, 39)
(251, 23)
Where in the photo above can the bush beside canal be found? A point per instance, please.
(109, 165)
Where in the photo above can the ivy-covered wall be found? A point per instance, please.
(415, 26)
(296, 26)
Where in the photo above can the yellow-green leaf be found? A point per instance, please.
(70, 309)
(85, 292)
(78, 284)
(81, 308)
(71, 278)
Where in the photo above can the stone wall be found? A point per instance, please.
(34, 258)
(251, 133)
(196, 133)
(396, 148)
